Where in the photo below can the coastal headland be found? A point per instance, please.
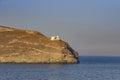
(27, 46)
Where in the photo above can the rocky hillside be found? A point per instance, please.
(26, 46)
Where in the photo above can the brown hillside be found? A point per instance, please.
(26, 46)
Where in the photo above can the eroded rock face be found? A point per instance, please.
(26, 46)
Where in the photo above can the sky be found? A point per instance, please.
(91, 27)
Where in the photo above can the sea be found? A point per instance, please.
(89, 68)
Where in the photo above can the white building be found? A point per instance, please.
(55, 38)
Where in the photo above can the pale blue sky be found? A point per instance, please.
(92, 27)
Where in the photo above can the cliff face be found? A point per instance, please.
(26, 46)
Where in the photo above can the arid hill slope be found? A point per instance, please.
(26, 46)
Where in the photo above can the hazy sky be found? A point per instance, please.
(92, 27)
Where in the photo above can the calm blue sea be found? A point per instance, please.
(90, 68)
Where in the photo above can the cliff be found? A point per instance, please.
(26, 46)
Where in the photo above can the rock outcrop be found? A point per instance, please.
(26, 46)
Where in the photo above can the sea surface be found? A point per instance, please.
(89, 68)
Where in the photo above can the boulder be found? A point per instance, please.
(27, 46)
